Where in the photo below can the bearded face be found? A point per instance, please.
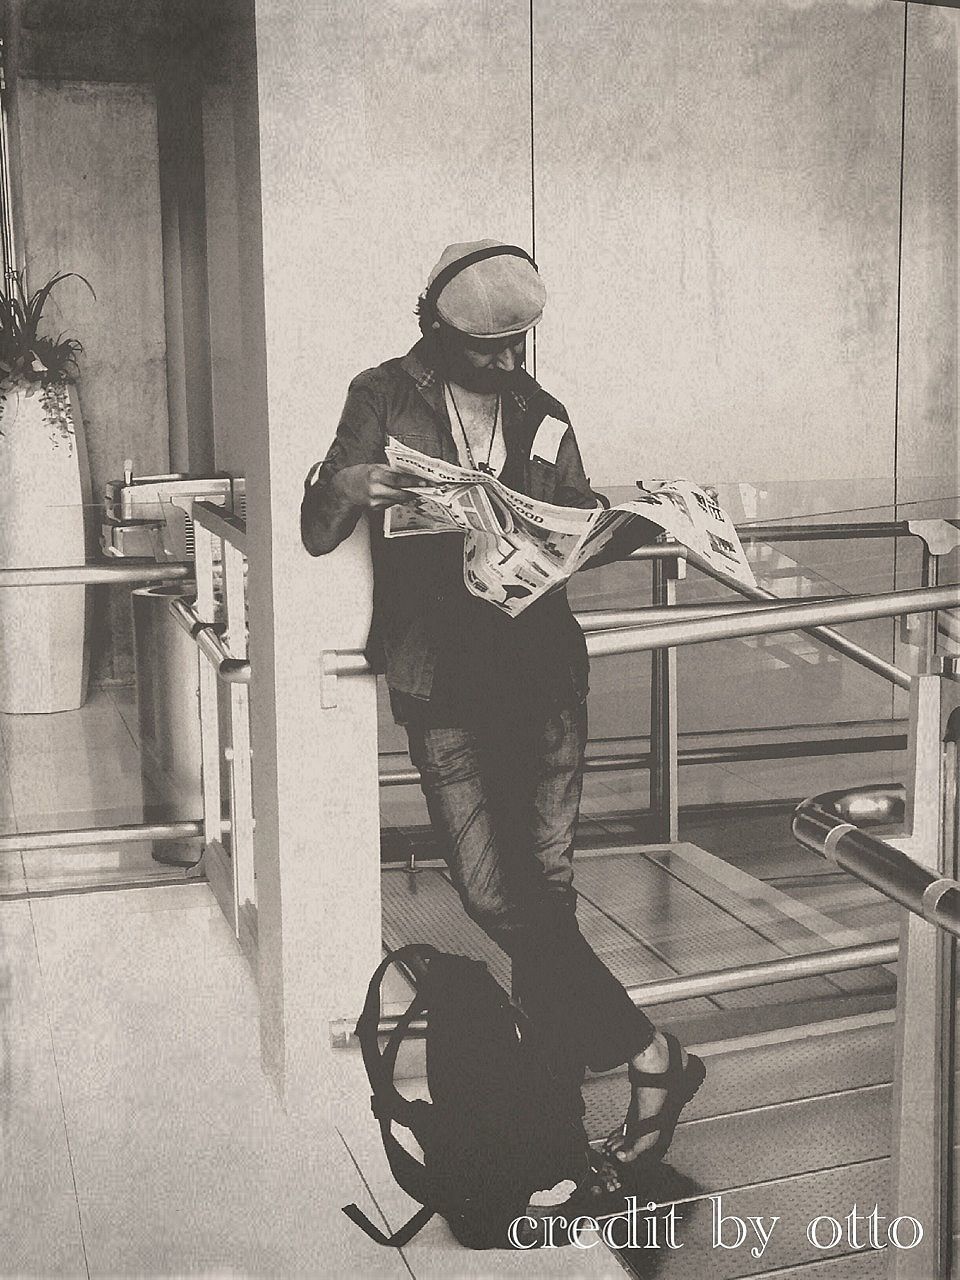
(480, 365)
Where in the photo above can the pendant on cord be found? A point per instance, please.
(486, 468)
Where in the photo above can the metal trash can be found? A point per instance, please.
(168, 703)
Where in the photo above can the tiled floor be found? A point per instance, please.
(70, 771)
(147, 1140)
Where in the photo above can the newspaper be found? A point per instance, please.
(517, 549)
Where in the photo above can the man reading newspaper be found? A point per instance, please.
(516, 549)
(494, 700)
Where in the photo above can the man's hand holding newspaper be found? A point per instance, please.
(517, 549)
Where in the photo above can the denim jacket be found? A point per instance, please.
(403, 398)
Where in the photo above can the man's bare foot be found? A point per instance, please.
(631, 1141)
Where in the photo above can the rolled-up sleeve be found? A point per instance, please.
(573, 485)
(574, 489)
(326, 518)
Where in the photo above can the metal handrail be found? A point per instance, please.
(646, 615)
(843, 530)
(767, 750)
(128, 833)
(826, 635)
(232, 529)
(207, 636)
(778, 617)
(877, 804)
(829, 532)
(717, 982)
(781, 618)
(823, 825)
(88, 575)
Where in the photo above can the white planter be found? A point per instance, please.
(44, 517)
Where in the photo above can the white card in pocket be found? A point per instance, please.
(546, 443)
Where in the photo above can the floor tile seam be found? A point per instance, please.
(369, 1190)
(792, 909)
(122, 717)
(650, 947)
(722, 768)
(785, 1104)
(642, 942)
(741, 777)
(59, 1079)
(77, 891)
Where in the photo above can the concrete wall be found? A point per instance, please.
(715, 203)
(718, 218)
(185, 253)
(231, 425)
(111, 139)
(90, 203)
(713, 193)
(927, 436)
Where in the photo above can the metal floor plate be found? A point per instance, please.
(791, 923)
(866, 1265)
(423, 906)
(793, 1128)
(644, 917)
(770, 1143)
(765, 1075)
(687, 929)
(795, 1201)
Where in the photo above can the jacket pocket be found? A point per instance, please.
(543, 480)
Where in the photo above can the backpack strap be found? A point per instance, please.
(389, 1105)
(386, 1100)
(400, 1237)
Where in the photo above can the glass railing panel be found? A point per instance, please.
(780, 688)
(98, 711)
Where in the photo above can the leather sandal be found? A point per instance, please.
(681, 1083)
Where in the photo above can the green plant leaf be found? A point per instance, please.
(23, 351)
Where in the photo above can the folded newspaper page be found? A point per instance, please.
(516, 549)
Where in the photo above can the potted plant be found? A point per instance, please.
(45, 503)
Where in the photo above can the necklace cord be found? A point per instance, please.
(483, 466)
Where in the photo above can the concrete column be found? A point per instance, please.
(316, 794)
(183, 216)
(382, 137)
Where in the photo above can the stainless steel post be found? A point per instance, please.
(928, 622)
(923, 1079)
(664, 746)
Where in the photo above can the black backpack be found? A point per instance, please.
(491, 1134)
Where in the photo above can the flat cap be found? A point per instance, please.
(501, 296)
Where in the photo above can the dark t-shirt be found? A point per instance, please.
(489, 664)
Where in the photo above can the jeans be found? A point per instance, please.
(504, 798)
